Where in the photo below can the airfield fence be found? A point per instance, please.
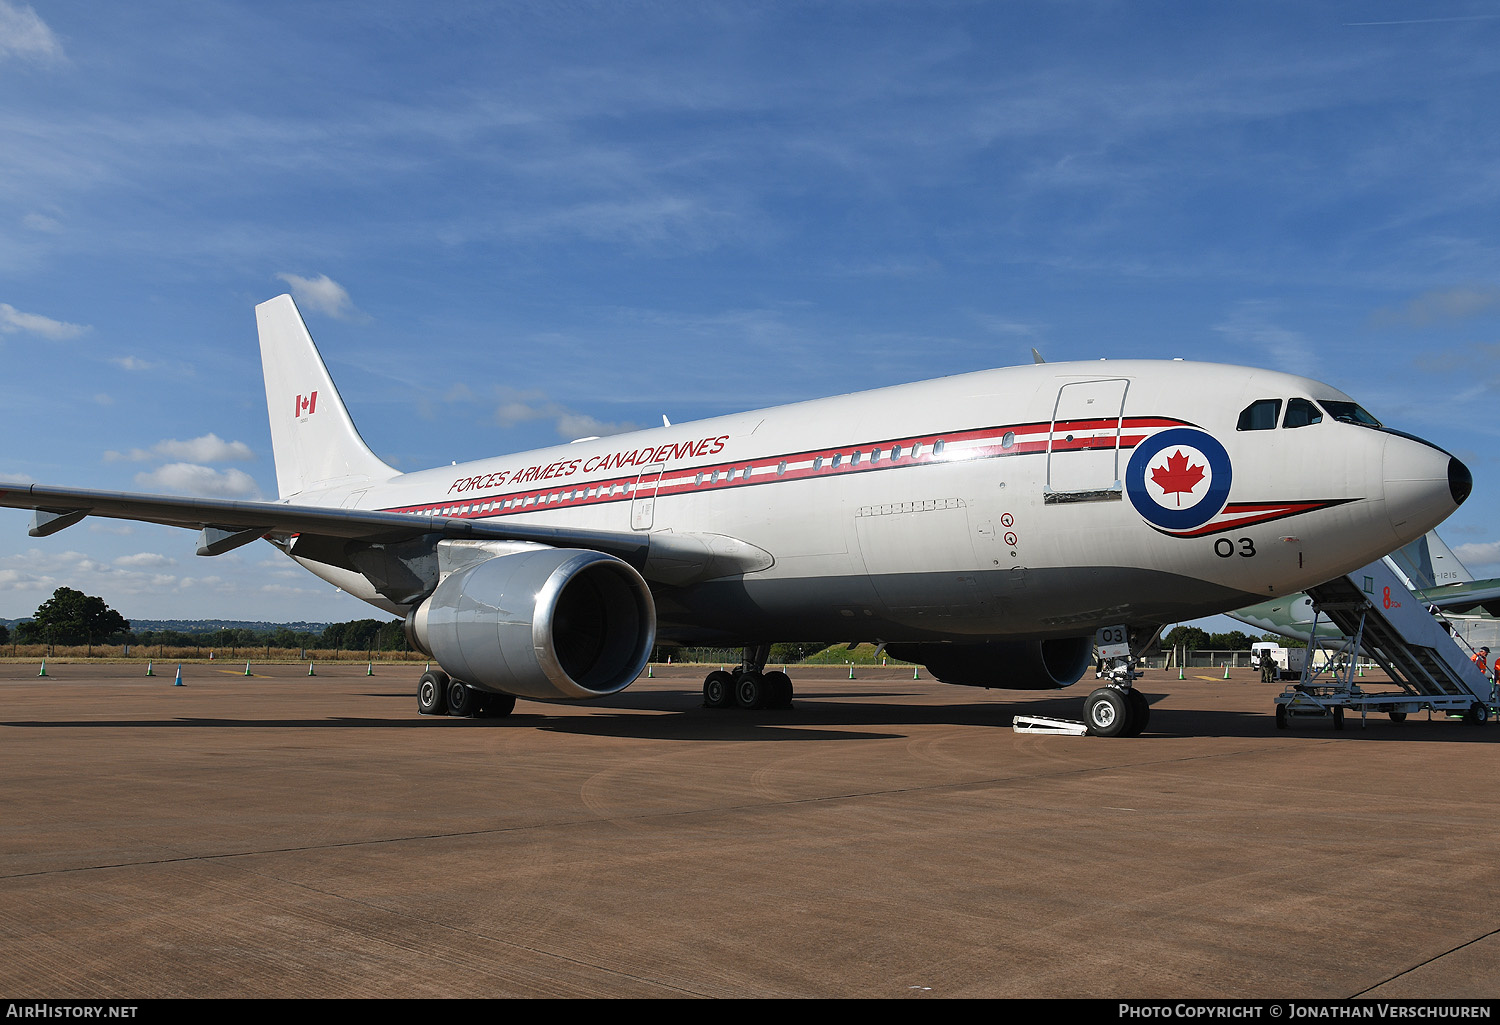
(836, 655)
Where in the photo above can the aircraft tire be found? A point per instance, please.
(463, 700)
(718, 689)
(432, 693)
(1140, 712)
(1108, 713)
(496, 706)
(750, 691)
(778, 689)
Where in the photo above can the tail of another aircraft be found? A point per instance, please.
(1428, 562)
(313, 439)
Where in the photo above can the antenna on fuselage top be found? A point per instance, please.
(1036, 357)
(664, 421)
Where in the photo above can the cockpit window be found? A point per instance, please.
(1350, 413)
(1260, 415)
(1301, 413)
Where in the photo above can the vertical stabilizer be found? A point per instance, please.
(1428, 562)
(313, 439)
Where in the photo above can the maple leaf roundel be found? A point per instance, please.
(1178, 479)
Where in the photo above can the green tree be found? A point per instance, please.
(1235, 640)
(72, 617)
(1191, 638)
(356, 635)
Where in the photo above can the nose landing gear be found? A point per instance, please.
(1117, 709)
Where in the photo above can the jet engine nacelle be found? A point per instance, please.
(544, 623)
(1006, 665)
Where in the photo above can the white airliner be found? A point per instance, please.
(987, 526)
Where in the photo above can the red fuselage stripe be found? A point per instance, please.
(892, 454)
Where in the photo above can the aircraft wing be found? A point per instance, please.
(226, 525)
(1464, 597)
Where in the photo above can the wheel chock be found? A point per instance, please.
(1044, 724)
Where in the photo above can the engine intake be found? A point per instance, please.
(544, 623)
(1006, 665)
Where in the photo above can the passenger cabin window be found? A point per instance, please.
(1260, 415)
(1301, 413)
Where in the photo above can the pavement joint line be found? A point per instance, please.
(1423, 964)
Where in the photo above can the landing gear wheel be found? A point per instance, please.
(750, 691)
(718, 690)
(1338, 717)
(432, 693)
(778, 689)
(1140, 712)
(1281, 718)
(496, 706)
(1107, 712)
(463, 700)
(1478, 712)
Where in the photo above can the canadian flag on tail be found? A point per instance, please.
(306, 406)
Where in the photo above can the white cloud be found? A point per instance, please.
(210, 448)
(145, 560)
(1478, 553)
(322, 294)
(130, 363)
(41, 222)
(522, 407)
(13, 320)
(26, 36)
(203, 481)
(1440, 304)
(1262, 342)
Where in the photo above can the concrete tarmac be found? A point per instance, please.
(287, 836)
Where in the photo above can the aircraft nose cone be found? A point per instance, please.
(1460, 481)
(1423, 485)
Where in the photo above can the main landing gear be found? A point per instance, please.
(1115, 711)
(749, 685)
(438, 694)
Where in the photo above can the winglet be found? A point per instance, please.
(313, 438)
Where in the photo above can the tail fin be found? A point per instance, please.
(313, 438)
(1428, 562)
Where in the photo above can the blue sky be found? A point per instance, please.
(510, 224)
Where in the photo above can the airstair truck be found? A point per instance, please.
(1391, 626)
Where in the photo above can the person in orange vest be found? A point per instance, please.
(1480, 659)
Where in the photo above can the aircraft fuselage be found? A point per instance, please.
(1038, 501)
